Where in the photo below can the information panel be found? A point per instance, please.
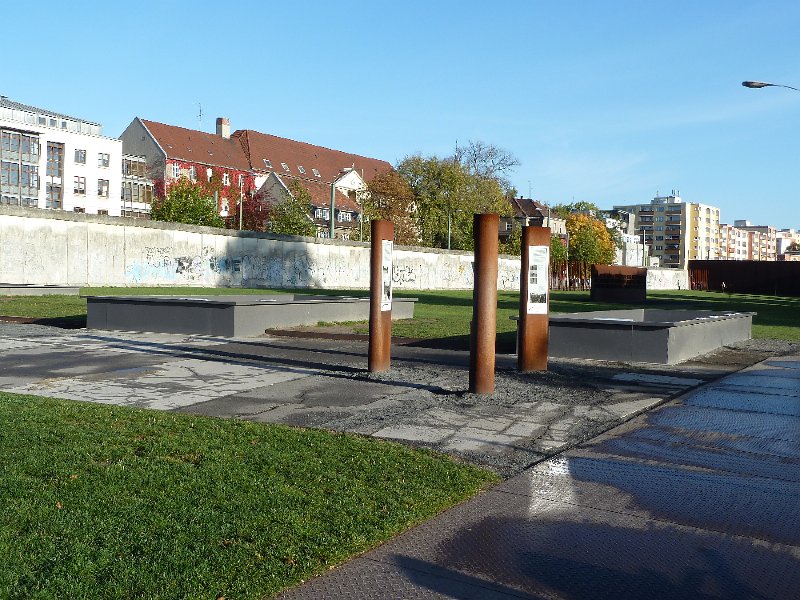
(386, 275)
(538, 279)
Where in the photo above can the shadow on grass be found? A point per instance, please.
(71, 322)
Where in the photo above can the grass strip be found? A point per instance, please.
(118, 502)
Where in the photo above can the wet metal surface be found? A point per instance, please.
(699, 498)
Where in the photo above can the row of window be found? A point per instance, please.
(136, 192)
(19, 146)
(79, 186)
(103, 158)
(300, 168)
(325, 214)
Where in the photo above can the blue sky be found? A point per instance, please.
(603, 101)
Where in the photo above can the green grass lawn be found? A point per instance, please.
(447, 314)
(109, 502)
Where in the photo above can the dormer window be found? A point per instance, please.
(301, 169)
(316, 172)
(285, 167)
(267, 163)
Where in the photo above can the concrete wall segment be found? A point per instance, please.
(48, 247)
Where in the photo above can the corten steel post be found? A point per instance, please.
(484, 305)
(380, 321)
(534, 319)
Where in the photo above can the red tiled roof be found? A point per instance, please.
(198, 146)
(321, 194)
(259, 146)
(525, 207)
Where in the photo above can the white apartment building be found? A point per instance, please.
(53, 161)
(763, 240)
(675, 231)
(734, 243)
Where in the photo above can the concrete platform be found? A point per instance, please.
(645, 335)
(229, 316)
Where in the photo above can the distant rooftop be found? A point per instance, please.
(25, 113)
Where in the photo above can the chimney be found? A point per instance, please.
(224, 127)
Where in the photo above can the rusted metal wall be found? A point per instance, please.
(613, 283)
(746, 276)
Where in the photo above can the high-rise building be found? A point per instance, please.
(675, 231)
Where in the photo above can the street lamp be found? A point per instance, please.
(760, 84)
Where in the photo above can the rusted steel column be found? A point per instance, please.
(380, 296)
(534, 300)
(484, 305)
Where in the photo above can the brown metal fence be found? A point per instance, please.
(780, 278)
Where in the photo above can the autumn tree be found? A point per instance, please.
(590, 243)
(291, 215)
(390, 197)
(187, 202)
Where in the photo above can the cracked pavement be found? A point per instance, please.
(324, 383)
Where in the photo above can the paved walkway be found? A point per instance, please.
(324, 383)
(699, 498)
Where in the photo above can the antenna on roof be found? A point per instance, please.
(200, 116)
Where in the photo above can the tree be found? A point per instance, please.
(187, 202)
(487, 161)
(444, 191)
(291, 215)
(590, 243)
(565, 210)
(391, 198)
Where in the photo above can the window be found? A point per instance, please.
(102, 212)
(192, 173)
(10, 144)
(226, 179)
(267, 163)
(80, 156)
(102, 188)
(30, 179)
(316, 173)
(285, 167)
(176, 171)
(241, 181)
(9, 176)
(79, 209)
(79, 185)
(301, 169)
(55, 159)
(29, 149)
(52, 122)
(317, 213)
(54, 196)
(103, 160)
(42, 121)
(209, 173)
(326, 214)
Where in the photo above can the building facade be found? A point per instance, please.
(249, 163)
(763, 240)
(53, 161)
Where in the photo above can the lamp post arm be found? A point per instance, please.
(760, 84)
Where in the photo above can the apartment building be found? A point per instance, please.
(675, 231)
(734, 243)
(763, 240)
(53, 161)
